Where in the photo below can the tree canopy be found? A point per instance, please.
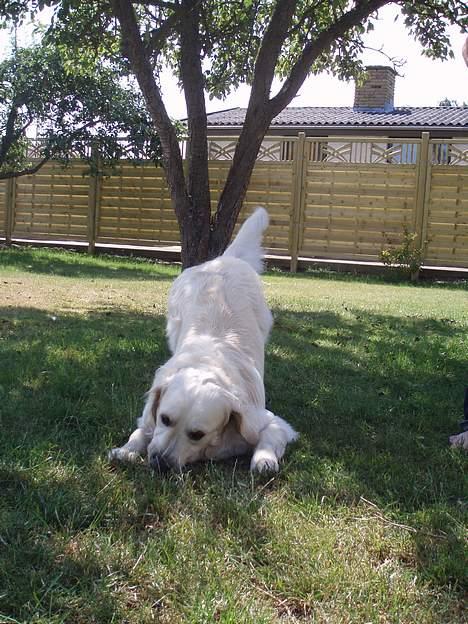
(72, 108)
(215, 45)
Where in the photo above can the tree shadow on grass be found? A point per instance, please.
(71, 379)
(374, 398)
(76, 265)
(369, 387)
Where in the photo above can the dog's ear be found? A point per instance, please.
(245, 425)
(244, 417)
(153, 397)
(161, 379)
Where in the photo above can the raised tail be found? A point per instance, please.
(248, 243)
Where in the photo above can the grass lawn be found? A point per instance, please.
(365, 522)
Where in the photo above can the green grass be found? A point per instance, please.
(364, 523)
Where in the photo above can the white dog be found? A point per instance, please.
(208, 400)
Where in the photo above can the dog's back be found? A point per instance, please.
(223, 298)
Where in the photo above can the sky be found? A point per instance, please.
(421, 81)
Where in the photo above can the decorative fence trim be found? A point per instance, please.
(328, 197)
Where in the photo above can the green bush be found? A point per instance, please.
(405, 258)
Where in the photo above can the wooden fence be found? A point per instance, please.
(333, 198)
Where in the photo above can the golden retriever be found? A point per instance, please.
(208, 400)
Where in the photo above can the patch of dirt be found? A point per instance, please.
(79, 296)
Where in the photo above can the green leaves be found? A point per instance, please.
(74, 103)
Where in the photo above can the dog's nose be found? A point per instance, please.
(157, 462)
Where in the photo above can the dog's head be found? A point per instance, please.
(195, 417)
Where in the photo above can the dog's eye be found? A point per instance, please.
(195, 435)
(166, 421)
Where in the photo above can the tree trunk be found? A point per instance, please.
(197, 220)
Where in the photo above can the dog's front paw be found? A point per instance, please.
(123, 455)
(264, 461)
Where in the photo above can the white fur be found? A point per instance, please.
(217, 326)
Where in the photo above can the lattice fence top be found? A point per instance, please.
(271, 150)
(357, 150)
(380, 151)
(448, 153)
(36, 149)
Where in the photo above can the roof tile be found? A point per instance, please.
(350, 117)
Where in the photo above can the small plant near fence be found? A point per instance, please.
(406, 259)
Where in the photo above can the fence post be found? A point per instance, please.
(10, 209)
(297, 200)
(423, 175)
(94, 200)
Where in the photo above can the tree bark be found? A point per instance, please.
(190, 196)
(198, 184)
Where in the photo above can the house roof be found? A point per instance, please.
(348, 117)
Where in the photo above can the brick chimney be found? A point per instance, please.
(376, 93)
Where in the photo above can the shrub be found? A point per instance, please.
(405, 258)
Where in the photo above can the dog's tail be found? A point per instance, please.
(248, 243)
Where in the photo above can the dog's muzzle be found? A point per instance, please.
(158, 463)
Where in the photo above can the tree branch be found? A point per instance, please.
(262, 109)
(315, 48)
(159, 35)
(307, 15)
(28, 171)
(270, 49)
(396, 61)
(134, 50)
(255, 125)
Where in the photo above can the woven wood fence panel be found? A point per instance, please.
(52, 204)
(447, 216)
(341, 199)
(352, 211)
(135, 208)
